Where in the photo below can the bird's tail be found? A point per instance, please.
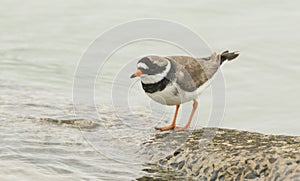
(228, 56)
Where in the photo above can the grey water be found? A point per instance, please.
(41, 43)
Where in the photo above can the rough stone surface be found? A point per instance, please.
(224, 154)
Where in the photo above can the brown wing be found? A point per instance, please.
(191, 73)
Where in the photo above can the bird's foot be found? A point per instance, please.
(178, 128)
(165, 128)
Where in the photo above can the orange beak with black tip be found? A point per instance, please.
(136, 74)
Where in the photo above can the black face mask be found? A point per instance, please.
(153, 68)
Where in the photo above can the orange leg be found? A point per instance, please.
(195, 105)
(173, 124)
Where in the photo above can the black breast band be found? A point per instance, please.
(159, 86)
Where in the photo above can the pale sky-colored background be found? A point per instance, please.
(41, 43)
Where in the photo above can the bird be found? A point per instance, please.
(174, 80)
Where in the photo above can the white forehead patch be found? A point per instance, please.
(142, 65)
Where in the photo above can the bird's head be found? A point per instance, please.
(152, 69)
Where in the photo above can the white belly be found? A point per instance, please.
(173, 95)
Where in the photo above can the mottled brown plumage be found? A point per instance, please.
(191, 72)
